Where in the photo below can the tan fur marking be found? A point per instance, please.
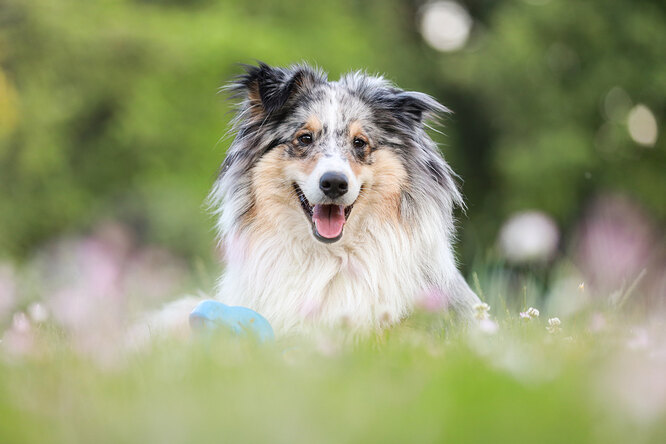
(313, 124)
(256, 108)
(356, 167)
(306, 165)
(356, 129)
(384, 179)
(275, 204)
(268, 191)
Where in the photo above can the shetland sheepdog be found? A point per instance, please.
(333, 205)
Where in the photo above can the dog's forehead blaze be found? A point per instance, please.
(337, 110)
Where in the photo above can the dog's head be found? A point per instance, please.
(327, 153)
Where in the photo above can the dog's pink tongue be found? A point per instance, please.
(329, 220)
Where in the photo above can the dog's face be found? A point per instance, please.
(329, 161)
(326, 158)
(328, 155)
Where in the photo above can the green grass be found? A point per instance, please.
(415, 383)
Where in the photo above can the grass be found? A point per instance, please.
(415, 383)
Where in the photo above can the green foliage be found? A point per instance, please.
(541, 76)
(109, 110)
(118, 111)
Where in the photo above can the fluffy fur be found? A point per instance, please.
(293, 125)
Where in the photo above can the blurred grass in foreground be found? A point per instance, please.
(65, 375)
(591, 381)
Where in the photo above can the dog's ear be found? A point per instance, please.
(412, 107)
(268, 89)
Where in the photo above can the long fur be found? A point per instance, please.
(396, 247)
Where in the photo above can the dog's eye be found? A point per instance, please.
(359, 143)
(305, 139)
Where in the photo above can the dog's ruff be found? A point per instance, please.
(394, 247)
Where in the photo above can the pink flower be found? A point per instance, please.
(433, 299)
(19, 339)
(152, 274)
(615, 242)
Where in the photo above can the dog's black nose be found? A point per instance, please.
(333, 184)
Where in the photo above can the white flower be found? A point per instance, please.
(554, 325)
(488, 326)
(481, 310)
(38, 312)
(530, 313)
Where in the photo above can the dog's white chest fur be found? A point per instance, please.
(298, 283)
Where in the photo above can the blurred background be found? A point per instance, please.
(111, 133)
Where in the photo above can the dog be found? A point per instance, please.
(333, 205)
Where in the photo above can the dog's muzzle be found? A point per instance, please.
(327, 220)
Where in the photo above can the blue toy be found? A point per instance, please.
(209, 316)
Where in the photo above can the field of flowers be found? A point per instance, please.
(514, 375)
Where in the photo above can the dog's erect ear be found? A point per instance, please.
(414, 107)
(268, 89)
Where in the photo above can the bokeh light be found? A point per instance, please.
(616, 104)
(642, 125)
(445, 25)
(529, 236)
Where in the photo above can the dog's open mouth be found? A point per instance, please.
(327, 221)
